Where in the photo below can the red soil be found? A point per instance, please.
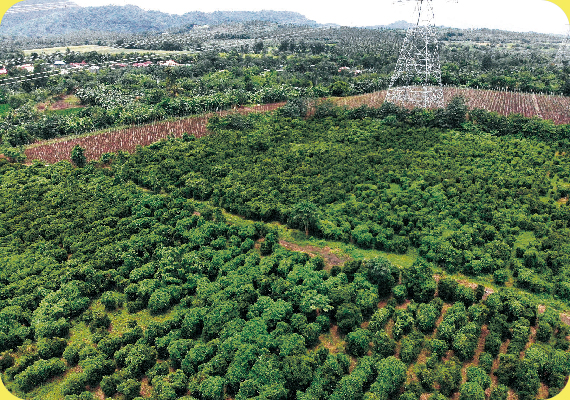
(53, 151)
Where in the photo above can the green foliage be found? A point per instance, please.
(212, 388)
(129, 388)
(358, 342)
(419, 281)
(50, 348)
(231, 322)
(426, 317)
(38, 373)
(348, 317)
(382, 273)
(78, 156)
(111, 300)
(499, 392)
(471, 391)
(411, 346)
(479, 376)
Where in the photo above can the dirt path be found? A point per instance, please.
(331, 259)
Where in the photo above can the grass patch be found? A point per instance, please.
(524, 239)
(67, 111)
(5, 109)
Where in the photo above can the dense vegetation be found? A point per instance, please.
(119, 277)
(465, 200)
(122, 278)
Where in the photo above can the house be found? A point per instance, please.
(78, 65)
(142, 64)
(169, 63)
(3, 71)
(94, 69)
(59, 64)
(27, 67)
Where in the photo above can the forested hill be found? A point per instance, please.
(130, 19)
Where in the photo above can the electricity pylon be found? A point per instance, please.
(417, 78)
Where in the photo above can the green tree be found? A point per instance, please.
(348, 317)
(305, 214)
(358, 342)
(471, 391)
(78, 156)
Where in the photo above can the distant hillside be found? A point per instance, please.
(394, 25)
(127, 19)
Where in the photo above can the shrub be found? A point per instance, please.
(78, 156)
(73, 384)
(411, 347)
(129, 389)
(493, 344)
(379, 319)
(499, 392)
(544, 331)
(49, 348)
(38, 373)
(426, 317)
(109, 385)
(384, 346)
(486, 362)
(358, 342)
(348, 317)
(479, 376)
(159, 301)
(111, 300)
(471, 391)
(400, 293)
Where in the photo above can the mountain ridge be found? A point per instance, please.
(129, 18)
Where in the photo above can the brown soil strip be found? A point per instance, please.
(480, 344)
(543, 391)
(99, 393)
(332, 343)
(146, 388)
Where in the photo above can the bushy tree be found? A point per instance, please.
(49, 348)
(358, 342)
(471, 391)
(348, 317)
(78, 156)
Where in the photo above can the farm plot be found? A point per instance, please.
(552, 107)
(96, 145)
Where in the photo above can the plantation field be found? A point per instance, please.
(128, 139)
(551, 107)
(555, 108)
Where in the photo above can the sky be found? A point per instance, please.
(514, 15)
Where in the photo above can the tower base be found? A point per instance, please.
(416, 96)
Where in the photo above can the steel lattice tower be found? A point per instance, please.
(563, 53)
(417, 78)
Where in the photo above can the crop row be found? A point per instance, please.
(551, 107)
(128, 139)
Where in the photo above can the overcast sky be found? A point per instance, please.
(514, 15)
